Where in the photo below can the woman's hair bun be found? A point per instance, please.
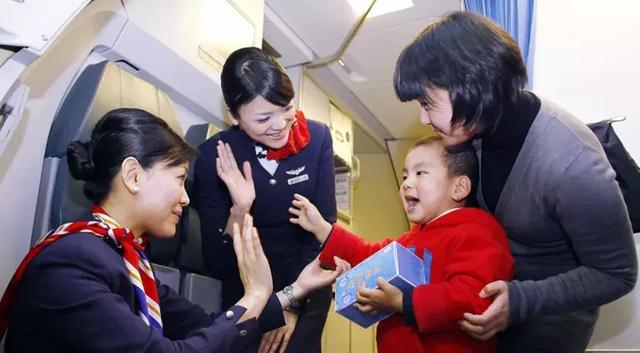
(80, 161)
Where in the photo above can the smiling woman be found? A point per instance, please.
(89, 283)
(280, 153)
(267, 123)
(533, 157)
(153, 168)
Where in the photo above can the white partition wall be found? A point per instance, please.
(586, 59)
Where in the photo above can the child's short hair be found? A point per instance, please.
(460, 160)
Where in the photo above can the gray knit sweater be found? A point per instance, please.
(569, 233)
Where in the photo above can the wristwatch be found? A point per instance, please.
(293, 301)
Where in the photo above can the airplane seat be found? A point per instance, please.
(196, 285)
(98, 89)
(167, 275)
(198, 133)
(190, 254)
(203, 291)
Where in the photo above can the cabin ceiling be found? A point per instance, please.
(323, 25)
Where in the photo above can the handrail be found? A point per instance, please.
(345, 44)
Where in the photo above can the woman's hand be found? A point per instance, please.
(255, 273)
(386, 297)
(280, 336)
(313, 277)
(495, 318)
(309, 218)
(240, 184)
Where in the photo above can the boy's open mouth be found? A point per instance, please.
(411, 201)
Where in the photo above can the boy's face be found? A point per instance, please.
(427, 189)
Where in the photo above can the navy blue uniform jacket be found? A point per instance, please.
(287, 246)
(76, 297)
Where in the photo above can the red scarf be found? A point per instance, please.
(299, 138)
(106, 228)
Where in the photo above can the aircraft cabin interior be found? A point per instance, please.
(65, 64)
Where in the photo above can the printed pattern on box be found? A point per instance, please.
(396, 264)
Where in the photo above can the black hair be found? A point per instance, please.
(248, 73)
(120, 134)
(470, 56)
(460, 160)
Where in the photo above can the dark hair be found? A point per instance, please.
(248, 73)
(120, 134)
(471, 57)
(460, 160)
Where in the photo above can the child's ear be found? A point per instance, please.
(461, 188)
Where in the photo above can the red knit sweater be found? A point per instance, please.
(469, 249)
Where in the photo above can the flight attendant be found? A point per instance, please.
(87, 286)
(280, 153)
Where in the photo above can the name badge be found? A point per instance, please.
(298, 179)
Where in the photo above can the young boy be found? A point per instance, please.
(469, 249)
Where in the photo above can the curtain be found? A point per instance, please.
(517, 17)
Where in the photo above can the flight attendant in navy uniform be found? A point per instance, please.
(87, 286)
(280, 154)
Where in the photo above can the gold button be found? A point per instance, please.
(272, 182)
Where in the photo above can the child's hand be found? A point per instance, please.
(387, 297)
(308, 217)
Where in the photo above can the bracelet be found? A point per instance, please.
(293, 301)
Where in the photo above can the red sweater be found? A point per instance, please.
(469, 249)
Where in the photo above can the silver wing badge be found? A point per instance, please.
(296, 171)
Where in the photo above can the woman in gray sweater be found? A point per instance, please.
(543, 174)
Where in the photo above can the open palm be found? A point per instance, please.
(314, 277)
(240, 184)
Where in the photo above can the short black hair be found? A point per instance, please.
(460, 160)
(467, 54)
(120, 134)
(248, 73)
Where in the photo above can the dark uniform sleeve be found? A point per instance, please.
(181, 317)
(213, 202)
(79, 305)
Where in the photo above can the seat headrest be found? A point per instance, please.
(99, 89)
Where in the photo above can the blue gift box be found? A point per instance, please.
(396, 264)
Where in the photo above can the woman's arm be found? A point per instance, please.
(211, 197)
(586, 200)
(181, 317)
(589, 206)
(239, 184)
(78, 298)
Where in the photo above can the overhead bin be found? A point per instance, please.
(35, 23)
